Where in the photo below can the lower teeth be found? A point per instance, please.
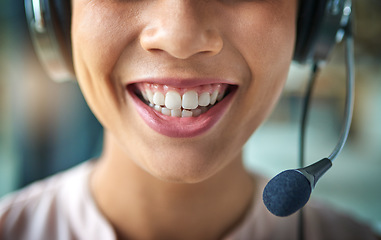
(179, 112)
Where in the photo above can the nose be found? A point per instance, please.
(182, 29)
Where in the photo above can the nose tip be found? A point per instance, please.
(182, 43)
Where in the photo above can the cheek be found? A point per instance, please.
(100, 33)
(265, 39)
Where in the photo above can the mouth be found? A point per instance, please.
(177, 111)
(180, 102)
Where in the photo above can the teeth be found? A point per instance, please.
(220, 96)
(204, 109)
(176, 113)
(145, 96)
(173, 100)
(196, 112)
(190, 100)
(149, 96)
(166, 111)
(204, 99)
(158, 99)
(157, 108)
(213, 98)
(186, 113)
(190, 104)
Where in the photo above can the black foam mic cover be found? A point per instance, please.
(290, 190)
(286, 193)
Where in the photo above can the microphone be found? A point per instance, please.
(290, 190)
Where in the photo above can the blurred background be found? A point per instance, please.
(47, 127)
(353, 184)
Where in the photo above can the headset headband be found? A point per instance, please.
(320, 26)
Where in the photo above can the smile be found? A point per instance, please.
(177, 102)
(181, 111)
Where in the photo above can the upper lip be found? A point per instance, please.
(183, 82)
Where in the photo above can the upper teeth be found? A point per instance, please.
(190, 99)
(172, 100)
(172, 103)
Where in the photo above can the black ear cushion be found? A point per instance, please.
(63, 12)
(311, 13)
(61, 17)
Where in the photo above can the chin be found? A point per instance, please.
(179, 169)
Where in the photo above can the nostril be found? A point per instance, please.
(207, 53)
(155, 50)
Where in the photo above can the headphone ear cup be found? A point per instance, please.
(319, 22)
(49, 25)
(61, 11)
(309, 21)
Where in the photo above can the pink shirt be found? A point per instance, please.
(61, 208)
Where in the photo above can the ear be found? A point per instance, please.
(49, 24)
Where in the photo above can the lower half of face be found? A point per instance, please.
(181, 87)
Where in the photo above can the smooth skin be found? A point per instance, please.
(150, 186)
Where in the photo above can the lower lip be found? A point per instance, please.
(184, 127)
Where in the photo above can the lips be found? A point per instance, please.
(181, 110)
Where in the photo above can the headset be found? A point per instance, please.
(321, 24)
(49, 23)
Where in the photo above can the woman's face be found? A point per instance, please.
(182, 84)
